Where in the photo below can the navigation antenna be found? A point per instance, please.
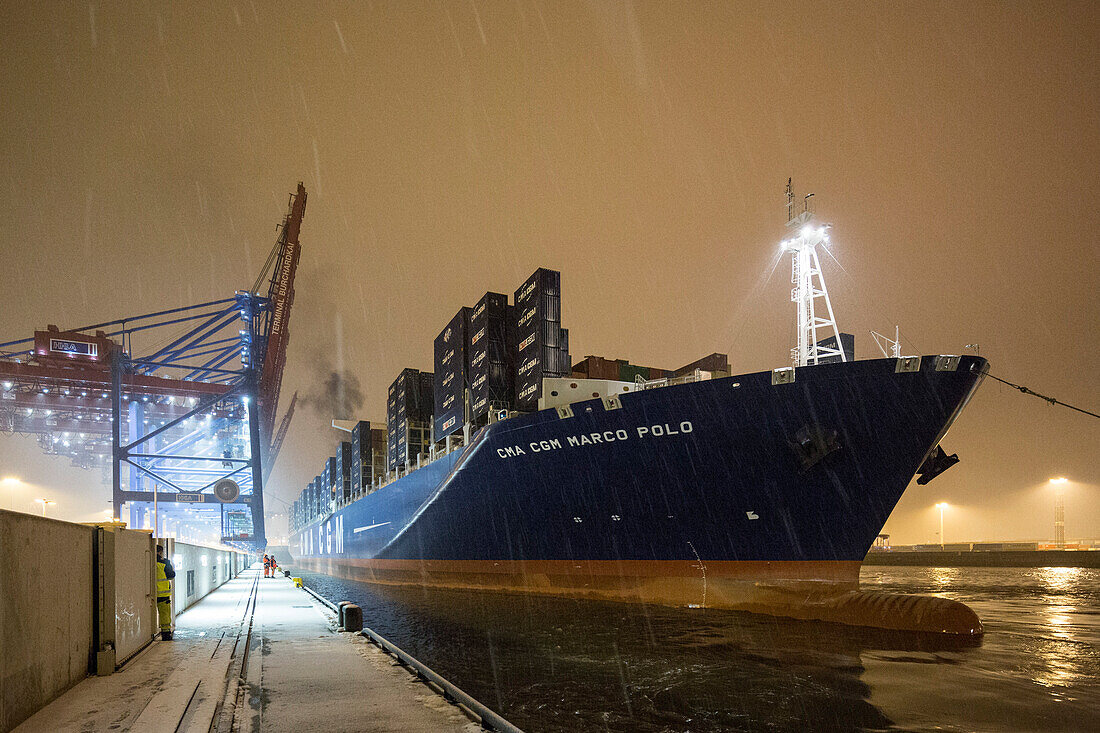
(809, 285)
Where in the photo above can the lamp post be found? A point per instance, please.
(941, 506)
(1059, 511)
(44, 503)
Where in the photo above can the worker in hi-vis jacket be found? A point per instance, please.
(165, 573)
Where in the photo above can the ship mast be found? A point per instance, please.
(809, 285)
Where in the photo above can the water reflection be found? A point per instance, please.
(1060, 621)
(1059, 580)
(1057, 671)
(551, 664)
(944, 578)
(562, 665)
(1040, 657)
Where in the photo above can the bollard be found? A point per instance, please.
(353, 618)
(340, 612)
(297, 582)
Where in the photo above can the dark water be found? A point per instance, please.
(550, 664)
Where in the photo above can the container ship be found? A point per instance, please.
(508, 468)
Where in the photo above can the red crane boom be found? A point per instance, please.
(281, 294)
(280, 436)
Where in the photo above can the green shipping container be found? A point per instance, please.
(627, 372)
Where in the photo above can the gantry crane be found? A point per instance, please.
(181, 419)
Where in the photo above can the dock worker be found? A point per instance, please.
(165, 574)
(267, 566)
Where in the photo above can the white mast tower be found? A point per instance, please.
(809, 285)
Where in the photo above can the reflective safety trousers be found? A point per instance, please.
(164, 586)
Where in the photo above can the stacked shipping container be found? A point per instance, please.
(407, 420)
(597, 367)
(329, 476)
(496, 352)
(341, 477)
(711, 363)
(361, 455)
(391, 427)
(451, 375)
(368, 457)
(490, 368)
(345, 476)
(541, 344)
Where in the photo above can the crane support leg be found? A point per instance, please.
(259, 534)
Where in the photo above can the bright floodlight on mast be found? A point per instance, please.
(809, 285)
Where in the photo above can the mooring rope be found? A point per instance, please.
(1051, 400)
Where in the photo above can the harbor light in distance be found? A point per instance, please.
(44, 503)
(1059, 511)
(941, 506)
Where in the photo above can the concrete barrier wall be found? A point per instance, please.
(200, 570)
(47, 614)
(68, 591)
(135, 584)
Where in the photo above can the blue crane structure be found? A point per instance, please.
(180, 404)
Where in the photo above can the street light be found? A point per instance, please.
(44, 503)
(11, 482)
(941, 506)
(1059, 511)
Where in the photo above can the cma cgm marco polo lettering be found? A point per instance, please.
(759, 491)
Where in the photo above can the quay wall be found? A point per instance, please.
(993, 559)
(81, 599)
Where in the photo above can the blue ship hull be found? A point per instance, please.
(733, 492)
